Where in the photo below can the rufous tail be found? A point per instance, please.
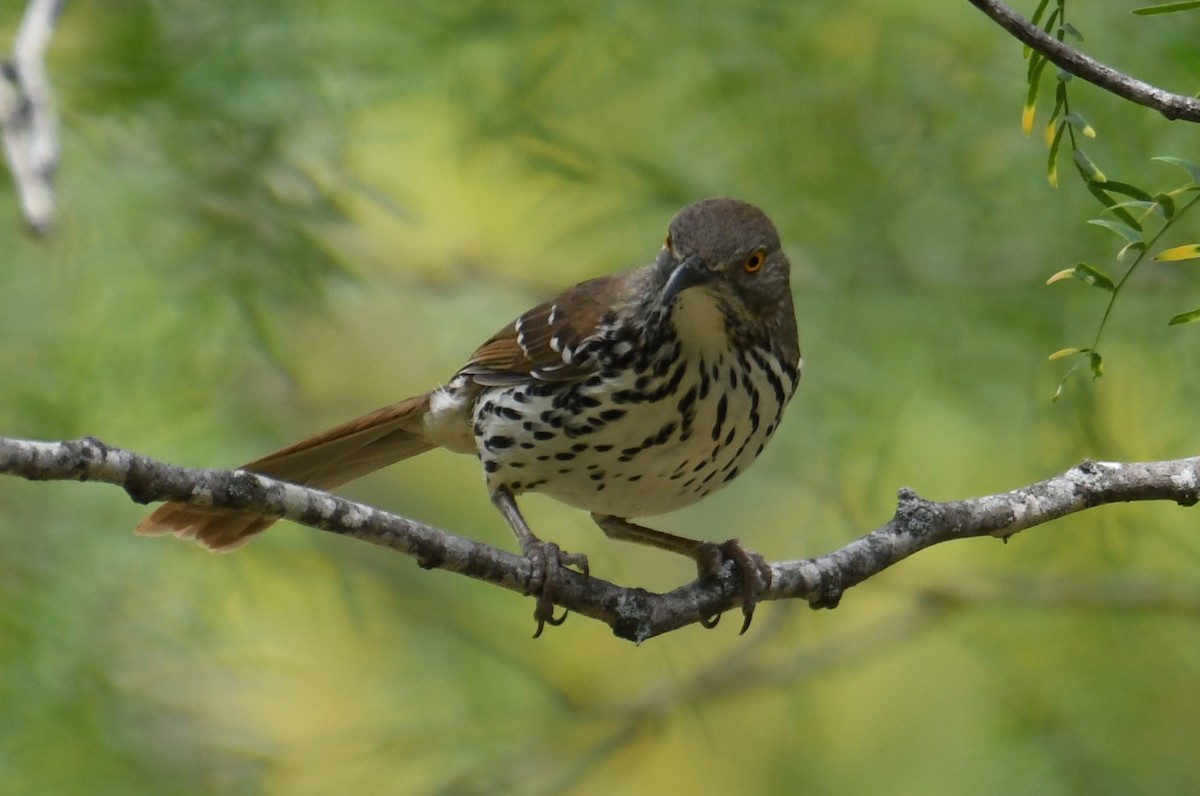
(326, 461)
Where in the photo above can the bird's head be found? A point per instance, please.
(730, 250)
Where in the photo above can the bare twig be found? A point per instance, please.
(632, 613)
(1062, 55)
(28, 119)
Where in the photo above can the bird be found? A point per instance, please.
(628, 395)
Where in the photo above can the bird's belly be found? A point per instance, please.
(627, 447)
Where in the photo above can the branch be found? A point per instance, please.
(1062, 55)
(632, 613)
(28, 120)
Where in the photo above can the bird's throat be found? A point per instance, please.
(700, 322)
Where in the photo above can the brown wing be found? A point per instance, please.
(554, 341)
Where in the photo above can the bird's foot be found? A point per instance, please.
(753, 569)
(547, 561)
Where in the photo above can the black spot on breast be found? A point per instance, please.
(722, 410)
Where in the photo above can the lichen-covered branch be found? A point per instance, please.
(632, 613)
(1066, 57)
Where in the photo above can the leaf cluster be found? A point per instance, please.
(1141, 218)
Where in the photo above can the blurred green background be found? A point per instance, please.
(276, 216)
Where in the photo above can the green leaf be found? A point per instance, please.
(1191, 168)
(1136, 246)
(1054, 112)
(1079, 124)
(1071, 31)
(1037, 13)
(1053, 18)
(1167, 8)
(1184, 317)
(1127, 232)
(1052, 161)
(1111, 204)
(1136, 204)
(1190, 251)
(1087, 168)
(1165, 204)
(1026, 51)
(1128, 190)
(1036, 64)
(1097, 363)
(1088, 274)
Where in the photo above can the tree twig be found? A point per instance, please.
(632, 613)
(28, 119)
(1062, 55)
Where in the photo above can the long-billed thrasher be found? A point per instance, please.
(628, 395)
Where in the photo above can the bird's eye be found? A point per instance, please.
(668, 244)
(754, 261)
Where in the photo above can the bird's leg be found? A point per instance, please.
(545, 558)
(709, 558)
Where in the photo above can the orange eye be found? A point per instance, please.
(754, 261)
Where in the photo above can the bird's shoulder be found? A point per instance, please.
(558, 339)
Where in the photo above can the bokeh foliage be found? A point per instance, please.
(278, 215)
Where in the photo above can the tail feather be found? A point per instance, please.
(325, 461)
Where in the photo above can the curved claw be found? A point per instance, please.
(708, 623)
(548, 618)
(754, 572)
(547, 559)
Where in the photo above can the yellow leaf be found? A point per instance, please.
(1065, 352)
(1051, 129)
(1190, 251)
(1066, 273)
(1027, 119)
